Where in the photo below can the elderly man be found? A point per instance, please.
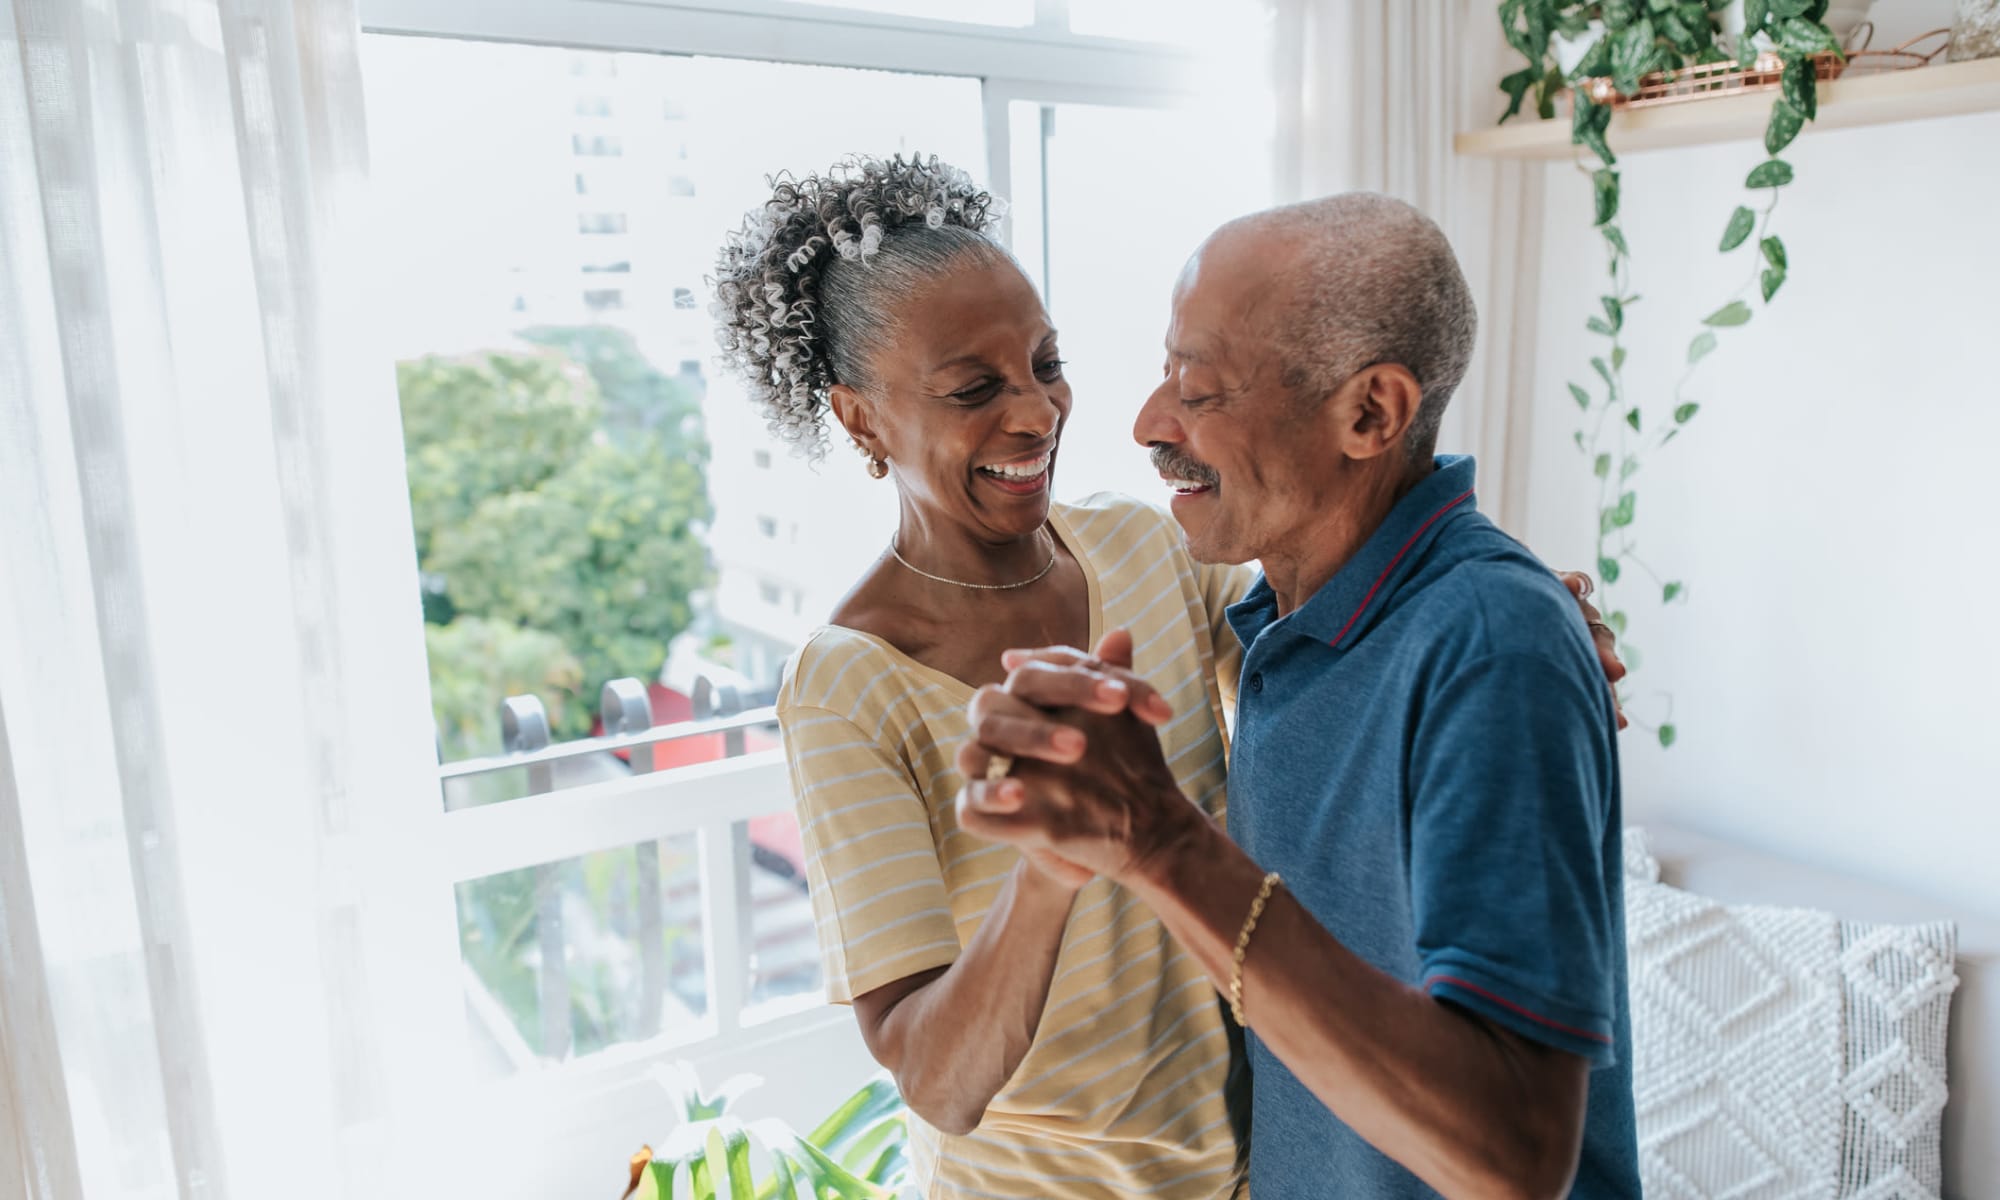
(1421, 919)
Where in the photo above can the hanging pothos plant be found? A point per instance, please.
(1627, 40)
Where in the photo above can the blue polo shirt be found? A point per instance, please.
(1425, 751)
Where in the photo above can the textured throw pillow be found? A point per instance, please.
(1783, 1053)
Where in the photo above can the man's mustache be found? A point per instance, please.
(1173, 464)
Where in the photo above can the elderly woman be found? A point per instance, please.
(1049, 1036)
(1051, 1040)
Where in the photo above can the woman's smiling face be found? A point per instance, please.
(967, 401)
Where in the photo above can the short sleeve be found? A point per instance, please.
(1512, 780)
(878, 891)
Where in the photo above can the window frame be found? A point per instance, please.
(576, 1105)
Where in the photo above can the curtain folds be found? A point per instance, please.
(214, 959)
(1370, 94)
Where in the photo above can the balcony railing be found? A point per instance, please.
(629, 856)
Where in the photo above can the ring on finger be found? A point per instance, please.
(998, 766)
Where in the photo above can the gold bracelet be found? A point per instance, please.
(1271, 883)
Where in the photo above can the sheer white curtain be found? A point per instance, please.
(1370, 93)
(217, 976)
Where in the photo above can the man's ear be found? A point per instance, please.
(1375, 409)
(852, 410)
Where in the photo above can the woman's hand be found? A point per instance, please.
(1581, 585)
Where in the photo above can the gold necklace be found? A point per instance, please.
(983, 587)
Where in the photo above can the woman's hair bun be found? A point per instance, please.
(771, 275)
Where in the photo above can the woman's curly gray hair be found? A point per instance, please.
(805, 291)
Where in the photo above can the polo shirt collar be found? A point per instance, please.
(1346, 606)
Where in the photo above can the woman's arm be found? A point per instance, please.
(953, 1036)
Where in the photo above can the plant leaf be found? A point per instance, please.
(1628, 469)
(1632, 419)
(1786, 121)
(877, 1099)
(1596, 325)
(1587, 126)
(1741, 223)
(1731, 314)
(658, 1183)
(1607, 569)
(1800, 87)
(1774, 252)
(1602, 467)
(1685, 413)
(1789, 8)
(1667, 736)
(1631, 54)
(1604, 189)
(1616, 237)
(1604, 372)
(1618, 358)
(1516, 86)
(1613, 310)
(1701, 347)
(1668, 593)
(1578, 435)
(1773, 279)
(1755, 14)
(1617, 621)
(1581, 397)
(1623, 513)
(1806, 36)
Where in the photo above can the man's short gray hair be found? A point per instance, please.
(1377, 283)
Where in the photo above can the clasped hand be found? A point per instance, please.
(1089, 791)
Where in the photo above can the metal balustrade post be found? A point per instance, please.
(524, 729)
(725, 867)
(626, 709)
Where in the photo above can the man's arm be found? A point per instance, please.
(1471, 1107)
(1468, 1107)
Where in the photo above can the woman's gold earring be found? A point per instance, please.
(877, 468)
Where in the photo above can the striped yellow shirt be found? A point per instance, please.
(1121, 1094)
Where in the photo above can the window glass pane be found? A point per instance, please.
(587, 493)
(568, 958)
(1108, 249)
(783, 963)
(586, 490)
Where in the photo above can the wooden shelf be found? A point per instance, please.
(1939, 91)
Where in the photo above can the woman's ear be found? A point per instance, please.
(851, 409)
(1376, 410)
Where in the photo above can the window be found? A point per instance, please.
(595, 432)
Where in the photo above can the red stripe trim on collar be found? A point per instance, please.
(1388, 570)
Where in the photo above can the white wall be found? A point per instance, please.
(1836, 672)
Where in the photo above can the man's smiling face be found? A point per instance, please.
(1240, 448)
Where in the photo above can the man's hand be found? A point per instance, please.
(1089, 787)
(1581, 585)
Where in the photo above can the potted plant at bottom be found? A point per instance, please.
(857, 1153)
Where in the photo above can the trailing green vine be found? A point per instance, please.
(1634, 39)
